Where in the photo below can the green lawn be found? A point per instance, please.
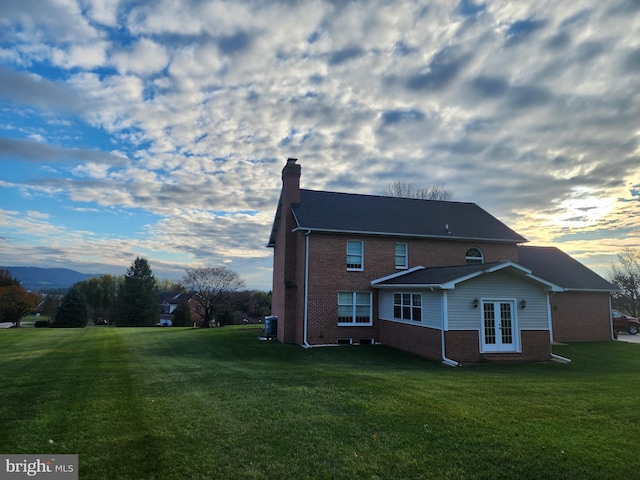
(169, 403)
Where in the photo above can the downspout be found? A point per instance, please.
(554, 357)
(613, 334)
(550, 315)
(445, 324)
(305, 344)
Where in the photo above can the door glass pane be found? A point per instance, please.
(505, 319)
(489, 324)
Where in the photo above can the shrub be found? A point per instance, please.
(41, 323)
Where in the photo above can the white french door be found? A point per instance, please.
(498, 326)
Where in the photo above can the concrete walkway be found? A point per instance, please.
(625, 337)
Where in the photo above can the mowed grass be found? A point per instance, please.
(169, 403)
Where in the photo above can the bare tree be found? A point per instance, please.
(213, 287)
(626, 276)
(411, 190)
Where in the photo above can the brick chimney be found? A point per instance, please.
(285, 274)
(291, 182)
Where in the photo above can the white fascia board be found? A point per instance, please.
(414, 286)
(396, 275)
(528, 273)
(591, 290)
(295, 217)
(405, 235)
(552, 286)
(502, 265)
(452, 284)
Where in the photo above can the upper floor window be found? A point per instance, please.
(401, 255)
(407, 306)
(474, 255)
(355, 255)
(354, 308)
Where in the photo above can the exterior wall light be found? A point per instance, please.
(523, 304)
(476, 302)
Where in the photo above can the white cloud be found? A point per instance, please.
(529, 109)
(87, 56)
(54, 20)
(104, 12)
(145, 57)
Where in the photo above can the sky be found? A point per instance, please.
(160, 129)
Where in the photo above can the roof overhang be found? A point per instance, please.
(406, 235)
(451, 284)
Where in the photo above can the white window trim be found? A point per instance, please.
(405, 320)
(406, 256)
(361, 268)
(516, 332)
(474, 260)
(353, 323)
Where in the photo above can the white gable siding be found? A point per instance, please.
(498, 286)
(431, 307)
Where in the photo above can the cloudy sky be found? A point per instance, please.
(160, 128)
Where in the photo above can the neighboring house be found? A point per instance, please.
(169, 301)
(579, 310)
(439, 279)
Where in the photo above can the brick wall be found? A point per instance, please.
(328, 274)
(536, 347)
(462, 346)
(423, 341)
(581, 317)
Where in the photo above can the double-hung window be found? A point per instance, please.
(401, 255)
(407, 306)
(354, 308)
(355, 255)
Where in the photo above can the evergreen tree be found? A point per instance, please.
(182, 316)
(138, 305)
(72, 312)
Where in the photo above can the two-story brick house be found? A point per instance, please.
(439, 279)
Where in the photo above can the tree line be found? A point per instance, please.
(216, 296)
(217, 293)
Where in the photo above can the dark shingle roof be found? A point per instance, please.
(436, 275)
(558, 267)
(448, 277)
(352, 213)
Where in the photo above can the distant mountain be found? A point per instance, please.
(36, 278)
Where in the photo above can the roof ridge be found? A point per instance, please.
(385, 196)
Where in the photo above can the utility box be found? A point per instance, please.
(270, 326)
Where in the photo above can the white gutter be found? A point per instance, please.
(305, 344)
(445, 324)
(613, 334)
(550, 316)
(401, 234)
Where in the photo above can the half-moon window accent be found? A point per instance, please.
(474, 256)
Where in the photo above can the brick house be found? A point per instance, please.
(577, 312)
(438, 279)
(169, 301)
